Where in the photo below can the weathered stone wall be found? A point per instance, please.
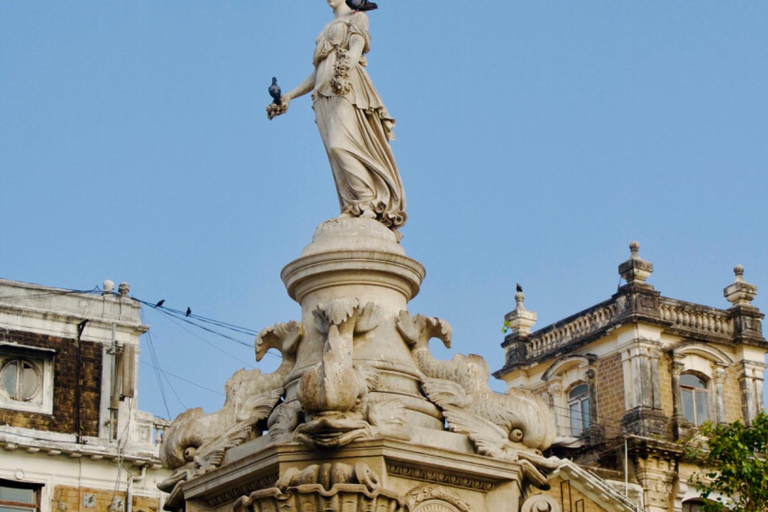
(665, 386)
(74, 499)
(570, 499)
(609, 384)
(64, 385)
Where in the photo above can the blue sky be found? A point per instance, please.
(536, 139)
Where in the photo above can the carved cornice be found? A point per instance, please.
(264, 482)
(440, 477)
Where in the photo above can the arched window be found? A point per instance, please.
(695, 398)
(694, 505)
(578, 409)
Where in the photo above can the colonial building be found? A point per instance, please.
(71, 434)
(632, 376)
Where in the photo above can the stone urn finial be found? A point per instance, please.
(124, 289)
(740, 292)
(520, 320)
(635, 269)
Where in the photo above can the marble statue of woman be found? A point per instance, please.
(353, 122)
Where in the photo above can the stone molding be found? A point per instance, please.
(439, 477)
(242, 490)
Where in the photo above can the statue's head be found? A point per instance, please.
(335, 4)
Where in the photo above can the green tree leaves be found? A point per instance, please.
(737, 480)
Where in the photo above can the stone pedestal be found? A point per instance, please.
(361, 259)
(359, 416)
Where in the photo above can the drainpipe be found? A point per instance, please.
(78, 390)
(129, 489)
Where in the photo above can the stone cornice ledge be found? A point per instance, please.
(69, 318)
(401, 458)
(317, 271)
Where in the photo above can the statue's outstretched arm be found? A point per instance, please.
(274, 110)
(303, 88)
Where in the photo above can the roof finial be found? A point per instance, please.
(740, 293)
(635, 269)
(519, 320)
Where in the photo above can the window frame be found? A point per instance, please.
(41, 359)
(582, 401)
(21, 506)
(699, 396)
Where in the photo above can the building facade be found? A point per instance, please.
(72, 436)
(633, 377)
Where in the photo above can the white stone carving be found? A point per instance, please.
(431, 498)
(322, 488)
(515, 426)
(540, 503)
(354, 124)
(334, 392)
(196, 442)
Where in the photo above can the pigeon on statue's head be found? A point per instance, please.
(275, 92)
(362, 5)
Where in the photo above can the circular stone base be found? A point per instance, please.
(352, 252)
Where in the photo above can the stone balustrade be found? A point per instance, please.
(684, 318)
(693, 317)
(581, 325)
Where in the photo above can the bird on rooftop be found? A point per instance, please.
(275, 92)
(189, 312)
(519, 288)
(362, 5)
(160, 304)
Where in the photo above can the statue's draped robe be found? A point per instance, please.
(356, 129)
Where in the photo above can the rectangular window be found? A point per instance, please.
(575, 415)
(688, 410)
(19, 497)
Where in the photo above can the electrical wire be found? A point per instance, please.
(169, 374)
(52, 293)
(157, 370)
(172, 320)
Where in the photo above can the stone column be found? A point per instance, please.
(637, 376)
(677, 395)
(591, 385)
(655, 385)
(656, 474)
(751, 384)
(555, 390)
(720, 375)
(644, 375)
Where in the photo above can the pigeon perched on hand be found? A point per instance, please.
(275, 92)
(362, 5)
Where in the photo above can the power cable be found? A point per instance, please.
(157, 370)
(52, 293)
(171, 319)
(184, 380)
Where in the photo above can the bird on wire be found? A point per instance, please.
(362, 5)
(189, 311)
(160, 304)
(519, 288)
(275, 92)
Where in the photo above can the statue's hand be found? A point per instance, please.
(274, 110)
